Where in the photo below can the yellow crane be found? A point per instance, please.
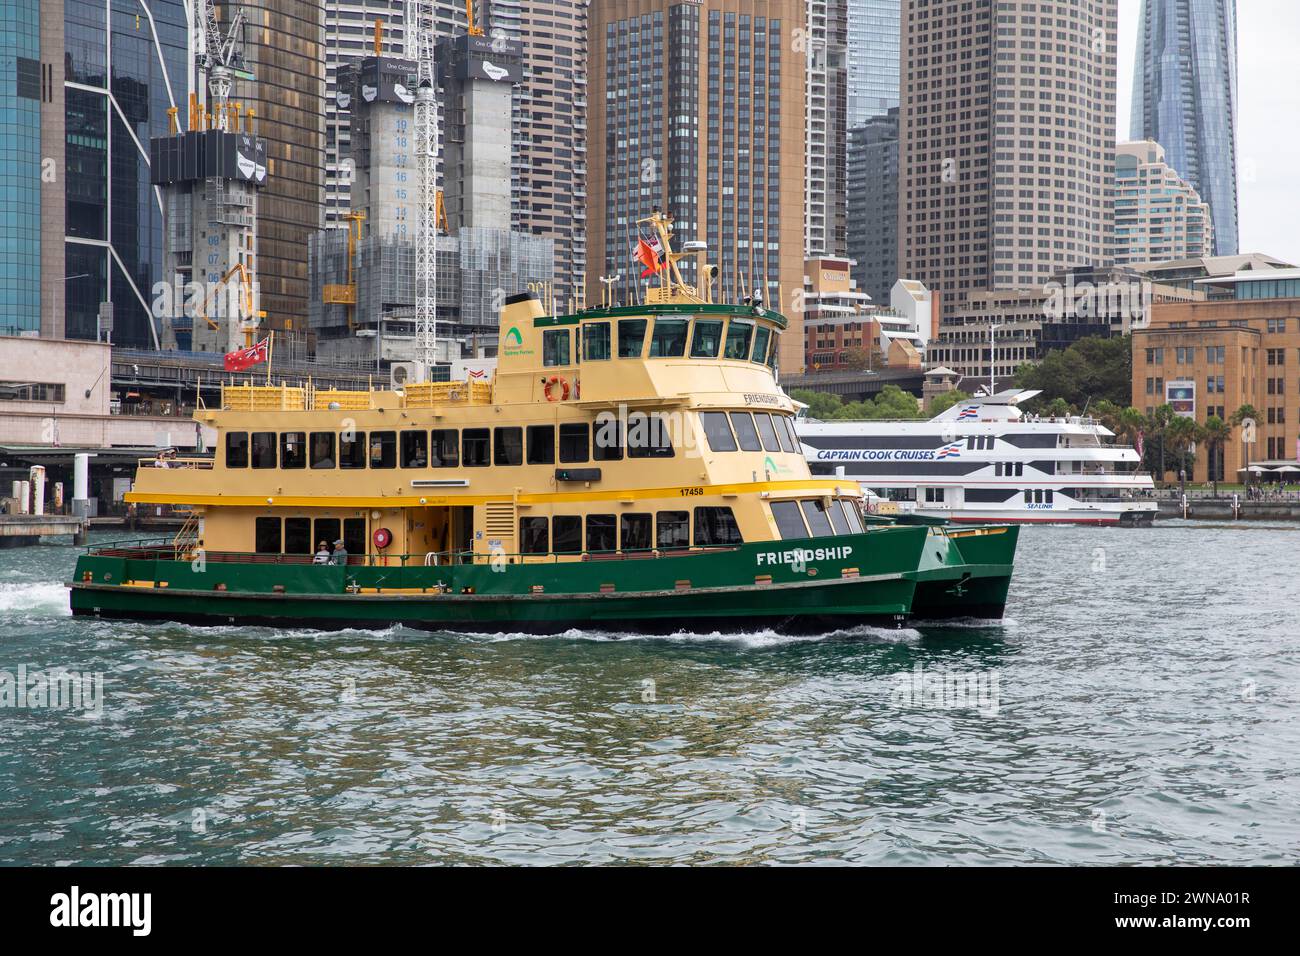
(474, 29)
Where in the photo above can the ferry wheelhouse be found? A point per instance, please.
(633, 468)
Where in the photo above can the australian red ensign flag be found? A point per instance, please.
(242, 359)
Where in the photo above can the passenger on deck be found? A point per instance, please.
(340, 555)
(322, 554)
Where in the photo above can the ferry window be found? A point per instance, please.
(297, 536)
(852, 515)
(541, 444)
(474, 448)
(236, 449)
(717, 431)
(636, 531)
(838, 521)
(819, 523)
(556, 347)
(600, 533)
(575, 444)
(789, 521)
(746, 434)
(264, 449)
(327, 530)
(383, 449)
(716, 526)
(631, 337)
(795, 446)
(673, 530)
(293, 450)
(322, 449)
(595, 341)
(508, 448)
(415, 449)
(738, 335)
(707, 338)
(354, 535)
(609, 438)
(567, 534)
(444, 448)
(352, 450)
(761, 338)
(647, 436)
(767, 432)
(534, 536)
(668, 339)
(778, 422)
(266, 533)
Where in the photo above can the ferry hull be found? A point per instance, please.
(968, 577)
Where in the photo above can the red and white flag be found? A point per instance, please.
(242, 359)
(649, 253)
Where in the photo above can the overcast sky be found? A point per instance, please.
(1268, 119)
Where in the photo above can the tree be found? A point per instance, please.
(1058, 408)
(1217, 433)
(821, 405)
(893, 402)
(1093, 368)
(941, 403)
(1181, 435)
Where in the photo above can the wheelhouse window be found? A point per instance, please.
(789, 520)
(266, 535)
(785, 435)
(767, 431)
(575, 444)
(383, 449)
(717, 431)
(556, 347)
(415, 449)
(636, 531)
(474, 447)
(739, 335)
(838, 521)
(534, 536)
(508, 446)
(761, 337)
(541, 444)
(293, 450)
(595, 341)
(746, 433)
(609, 438)
(819, 522)
(631, 337)
(707, 338)
(648, 437)
(352, 450)
(567, 533)
(601, 531)
(264, 449)
(321, 450)
(444, 448)
(236, 449)
(668, 340)
(672, 530)
(297, 536)
(716, 527)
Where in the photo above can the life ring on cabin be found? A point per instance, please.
(382, 538)
(553, 381)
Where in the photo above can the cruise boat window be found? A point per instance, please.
(838, 521)
(474, 447)
(936, 495)
(556, 347)
(852, 515)
(297, 536)
(293, 450)
(789, 520)
(739, 334)
(672, 530)
(609, 438)
(266, 535)
(415, 449)
(668, 339)
(352, 450)
(534, 536)
(354, 536)
(819, 522)
(595, 341)
(236, 449)
(648, 437)
(601, 531)
(717, 431)
(567, 534)
(636, 531)
(321, 449)
(1048, 496)
(766, 431)
(327, 530)
(264, 449)
(970, 444)
(575, 444)
(997, 470)
(761, 338)
(746, 433)
(541, 444)
(1020, 469)
(383, 449)
(631, 337)
(715, 527)
(1029, 497)
(707, 338)
(444, 448)
(508, 447)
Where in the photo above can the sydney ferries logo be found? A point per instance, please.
(514, 343)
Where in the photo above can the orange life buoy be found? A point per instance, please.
(551, 383)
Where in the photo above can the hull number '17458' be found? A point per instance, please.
(688, 492)
(797, 555)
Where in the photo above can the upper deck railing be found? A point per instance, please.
(299, 398)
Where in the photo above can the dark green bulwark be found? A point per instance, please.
(814, 585)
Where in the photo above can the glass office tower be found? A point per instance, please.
(20, 167)
(1185, 98)
(872, 58)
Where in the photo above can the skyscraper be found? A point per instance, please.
(1185, 98)
(824, 132)
(699, 109)
(872, 58)
(1158, 216)
(873, 205)
(22, 97)
(1007, 142)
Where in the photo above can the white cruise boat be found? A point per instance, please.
(983, 460)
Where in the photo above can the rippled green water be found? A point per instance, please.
(1146, 711)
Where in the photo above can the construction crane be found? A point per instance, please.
(218, 55)
(420, 48)
(473, 29)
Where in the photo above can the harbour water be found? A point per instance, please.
(1140, 704)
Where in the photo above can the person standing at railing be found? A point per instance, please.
(322, 554)
(340, 556)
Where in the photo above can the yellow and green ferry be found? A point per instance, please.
(628, 468)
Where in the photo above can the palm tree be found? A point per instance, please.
(1182, 433)
(1217, 433)
(1160, 419)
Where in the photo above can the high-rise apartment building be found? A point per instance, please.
(1185, 98)
(1158, 216)
(826, 43)
(1007, 142)
(873, 204)
(872, 61)
(699, 110)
